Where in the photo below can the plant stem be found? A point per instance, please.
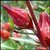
(36, 24)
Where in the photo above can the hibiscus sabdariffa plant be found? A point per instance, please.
(22, 19)
(43, 26)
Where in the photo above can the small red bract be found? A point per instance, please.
(5, 34)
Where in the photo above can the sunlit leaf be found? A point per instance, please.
(11, 22)
(25, 40)
(48, 10)
(43, 8)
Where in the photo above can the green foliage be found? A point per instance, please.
(48, 10)
(9, 45)
(11, 22)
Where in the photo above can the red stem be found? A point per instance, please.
(36, 24)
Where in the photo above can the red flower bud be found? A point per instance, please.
(5, 34)
(19, 16)
(44, 23)
(7, 26)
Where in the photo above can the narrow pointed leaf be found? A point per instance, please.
(24, 40)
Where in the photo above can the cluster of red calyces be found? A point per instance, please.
(5, 31)
(22, 19)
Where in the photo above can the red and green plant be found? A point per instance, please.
(23, 20)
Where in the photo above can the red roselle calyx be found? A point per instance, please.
(7, 26)
(39, 34)
(44, 24)
(5, 34)
(20, 17)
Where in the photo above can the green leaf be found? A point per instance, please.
(28, 46)
(9, 44)
(3, 46)
(43, 8)
(40, 8)
(25, 40)
(11, 22)
(48, 10)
